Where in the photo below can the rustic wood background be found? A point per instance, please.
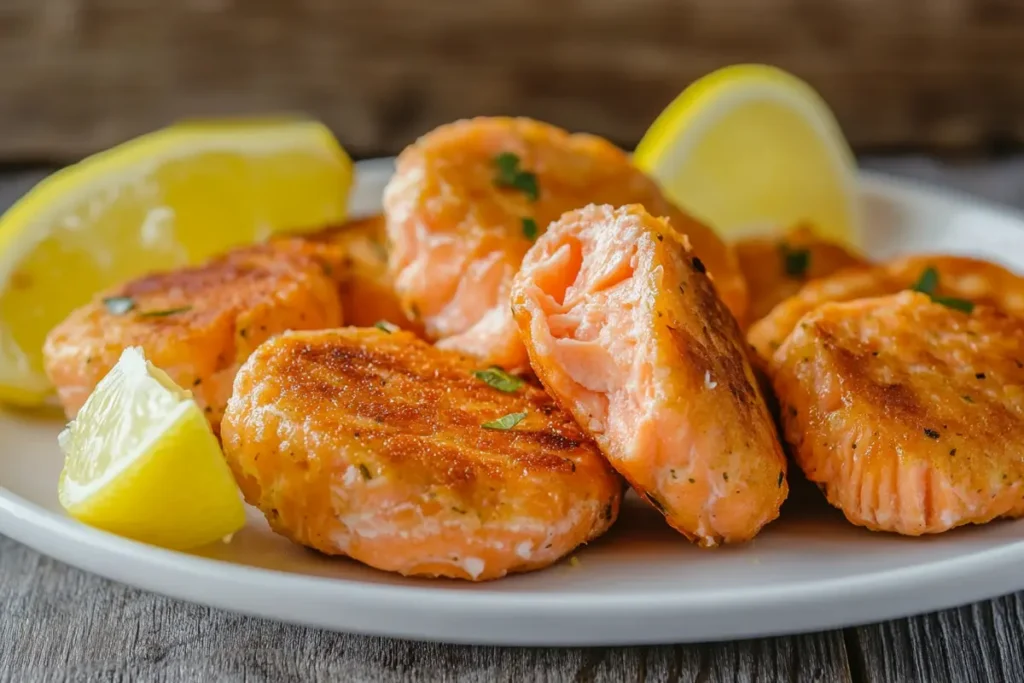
(80, 75)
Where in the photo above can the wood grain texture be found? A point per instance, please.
(62, 624)
(84, 74)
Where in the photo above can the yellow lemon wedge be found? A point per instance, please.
(161, 201)
(142, 462)
(752, 149)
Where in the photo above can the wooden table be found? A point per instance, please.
(61, 624)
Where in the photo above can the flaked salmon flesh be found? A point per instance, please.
(625, 329)
(468, 199)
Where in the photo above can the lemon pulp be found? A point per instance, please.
(752, 149)
(174, 197)
(141, 461)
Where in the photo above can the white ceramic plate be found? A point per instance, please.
(642, 583)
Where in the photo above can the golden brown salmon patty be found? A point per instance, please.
(198, 324)
(393, 452)
(909, 414)
(358, 256)
(775, 268)
(956, 277)
(468, 199)
(624, 328)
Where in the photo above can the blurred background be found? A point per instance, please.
(941, 77)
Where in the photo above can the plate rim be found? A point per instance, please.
(219, 583)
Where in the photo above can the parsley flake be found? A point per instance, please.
(795, 261)
(498, 379)
(503, 424)
(929, 282)
(385, 326)
(164, 312)
(954, 303)
(510, 175)
(119, 305)
(529, 228)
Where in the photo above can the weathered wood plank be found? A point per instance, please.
(980, 642)
(59, 623)
(81, 75)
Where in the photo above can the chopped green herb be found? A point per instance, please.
(505, 423)
(385, 326)
(795, 261)
(365, 471)
(498, 379)
(954, 303)
(119, 305)
(510, 175)
(529, 228)
(931, 433)
(164, 312)
(929, 282)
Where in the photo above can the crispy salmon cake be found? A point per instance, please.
(908, 414)
(468, 199)
(198, 324)
(625, 329)
(951, 277)
(776, 267)
(412, 459)
(357, 253)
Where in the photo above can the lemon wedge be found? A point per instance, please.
(142, 462)
(167, 199)
(752, 149)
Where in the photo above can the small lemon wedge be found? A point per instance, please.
(142, 462)
(752, 149)
(164, 200)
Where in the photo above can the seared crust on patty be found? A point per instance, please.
(198, 324)
(907, 413)
(374, 445)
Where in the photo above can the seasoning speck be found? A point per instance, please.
(931, 433)
(699, 265)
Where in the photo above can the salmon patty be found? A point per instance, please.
(197, 324)
(951, 277)
(625, 329)
(357, 254)
(467, 201)
(412, 459)
(775, 268)
(908, 414)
